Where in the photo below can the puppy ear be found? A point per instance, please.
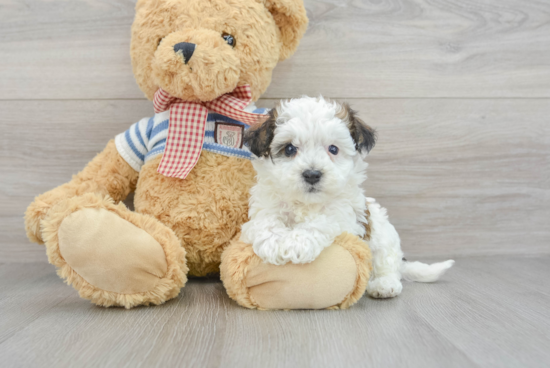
(259, 138)
(363, 135)
(291, 18)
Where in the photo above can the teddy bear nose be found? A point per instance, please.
(312, 176)
(187, 49)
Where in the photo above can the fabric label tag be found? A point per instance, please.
(229, 135)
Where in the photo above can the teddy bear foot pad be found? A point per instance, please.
(111, 255)
(336, 279)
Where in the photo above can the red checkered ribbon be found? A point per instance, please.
(188, 122)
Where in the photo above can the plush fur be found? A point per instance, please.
(292, 218)
(238, 259)
(265, 31)
(106, 174)
(168, 285)
(204, 211)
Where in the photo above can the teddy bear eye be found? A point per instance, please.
(333, 149)
(229, 39)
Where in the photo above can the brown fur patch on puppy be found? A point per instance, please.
(368, 228)
(363, 135)
(259, 138)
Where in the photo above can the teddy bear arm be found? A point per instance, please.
(107, 174)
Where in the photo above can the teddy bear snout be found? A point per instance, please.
(196, 64)
(186, 49)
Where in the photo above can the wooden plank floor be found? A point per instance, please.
(486, 312)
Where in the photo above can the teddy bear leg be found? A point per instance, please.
(111, 255)
(336, 279)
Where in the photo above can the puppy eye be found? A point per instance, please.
(333, 149)
(290, 150)
(229, 39)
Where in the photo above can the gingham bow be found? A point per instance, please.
(188, 122)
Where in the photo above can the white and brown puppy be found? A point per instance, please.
(310, 173)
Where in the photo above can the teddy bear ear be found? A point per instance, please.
(290, 16)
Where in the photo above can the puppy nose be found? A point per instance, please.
(187, 49)
(312, 176)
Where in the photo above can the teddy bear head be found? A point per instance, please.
(198, 50)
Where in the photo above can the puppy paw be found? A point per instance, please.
(384, 287)
(300, 247)
(296, 247)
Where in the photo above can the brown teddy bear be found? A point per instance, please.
(202, 62)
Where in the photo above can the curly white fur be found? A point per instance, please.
(293, 221)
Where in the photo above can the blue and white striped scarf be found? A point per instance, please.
(147, 138)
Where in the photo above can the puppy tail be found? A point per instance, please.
(422, 272)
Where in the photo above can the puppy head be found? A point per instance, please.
(311, 149)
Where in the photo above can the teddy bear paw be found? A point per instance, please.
(113, 256)
(335, 279)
